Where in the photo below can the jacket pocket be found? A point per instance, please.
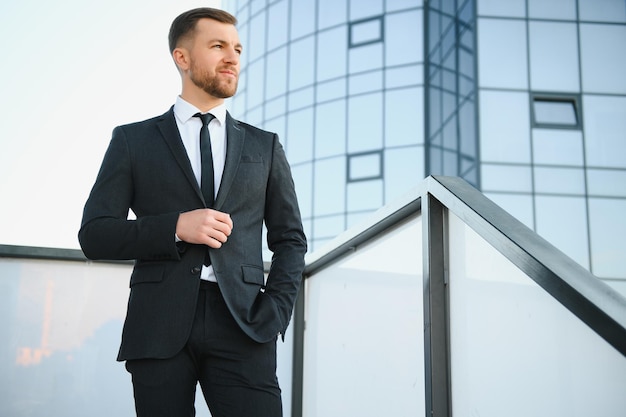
(253, 274)
(147, 272)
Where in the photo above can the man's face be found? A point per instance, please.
(214, 58)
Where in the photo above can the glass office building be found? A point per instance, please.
(524, 99)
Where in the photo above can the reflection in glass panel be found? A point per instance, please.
(607, 230)
(530, 335)
(336, 382)
(562, 221)
(553, 9)
(555, 112)
(365, 130)
(404, 29)
(553, 146)
(554, 56)
(504, 127)
(603, 68)
(605, 124)
(502, 61)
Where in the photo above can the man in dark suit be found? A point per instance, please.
(200, 308)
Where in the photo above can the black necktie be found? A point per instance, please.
(206, 181)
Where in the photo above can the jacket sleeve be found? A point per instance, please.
(285, 236)
(106, 232)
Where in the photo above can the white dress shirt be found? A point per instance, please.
(189, 128)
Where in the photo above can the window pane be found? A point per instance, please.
(364, 166)
(554, 112)
(301, 58)
(365, 127)
(607, 183)
(257, 43)
(329, 226)
(365, 195)
(554, 56)
(301, 20)
(331, 12)
(603, 58)
(404, 120)
(277, 33)
(300, 136)
(559, 180)
(509, 8)
(502, 61)
(330, 129)
(510, 178)
(276, 78)
(360, 9)
(404, 169)
(366, 83)
(330, 185)
(366, 32)
(393, 5)
(366, 58)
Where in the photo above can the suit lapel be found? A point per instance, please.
(171, 135)
(234, 144)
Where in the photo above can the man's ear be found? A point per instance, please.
(181, 58)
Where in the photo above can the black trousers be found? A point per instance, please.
(237, 375)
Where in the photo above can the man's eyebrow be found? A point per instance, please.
(223, 42)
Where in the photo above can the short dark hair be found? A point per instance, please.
(185, 23)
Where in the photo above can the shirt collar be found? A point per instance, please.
(183, 110)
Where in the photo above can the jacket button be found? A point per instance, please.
(196, 270)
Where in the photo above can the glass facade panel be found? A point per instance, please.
(332, 61)
(607, 229)
(405, 76)
(256, 47)
(403, 122)
(365, 195)
(365, 166)
(276, 78)
(559, 181)
(531, 336)
(557, 218)
(277, 34)
(330, 137)
(602, 10)
(255, 84)
(558, 147)
(394, 5)
(329, 226)
(404, 170)
(301, 18)
(366, 31)
(554, 56)
(366, 83)
(301, 52)
(606, 182)
(502, 61)
(605, 124)
(365, 127)
(360, 9)
(329, 186)
(504, 127)
(603, 63)
(331, 90)
(513, 178)
(301, 98)
(508, 8)
(299, 147)
(404, 38)
(553, 9)
(331, 13)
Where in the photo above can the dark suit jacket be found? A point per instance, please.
(146, 169)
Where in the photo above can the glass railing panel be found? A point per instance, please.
(515, 350)
(363, 340)
(60, 327)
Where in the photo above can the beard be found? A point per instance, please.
(211, 84)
